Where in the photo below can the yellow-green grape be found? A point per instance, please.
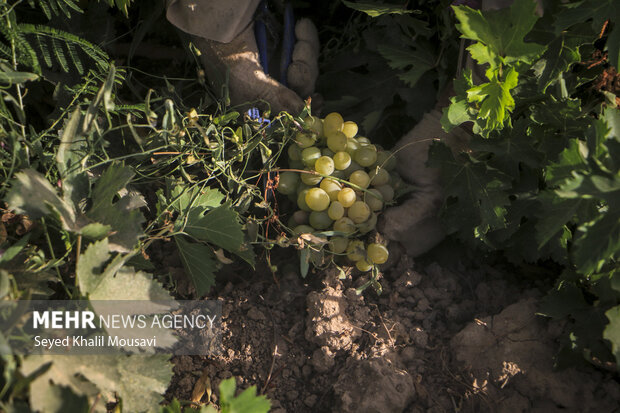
(338, 245)
(363, 141)
(305, 139)
(360, 178)
(320, 220)
(363, 265)
(369, 225)
(364, 156)
(345, 225)
(379, 176)
(332, 187)
(303, 229)
(294, 152)
(337, 141)
(359, 212)
(288, 183)
(301, 200)
(387, 192)
(325, 165)
(315, 124)
(332, 123)
(342, 160)
(352, 146)
(335, 210)
(310, 179)
(317, 199)
(310, 155)
(355, 250)
(374, 202)
(346, 197)
(327, 152)
(300, 217)
(349, 128)
(377, 253)
(386, 160)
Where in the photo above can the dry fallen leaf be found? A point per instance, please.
(202, 386)
(222, 258)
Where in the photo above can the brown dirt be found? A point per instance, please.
(435, 341)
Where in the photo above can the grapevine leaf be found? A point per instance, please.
(114, 282)
(246, 402)
(198, 262)
(195, 197)
(138, 380)
(612, 330)
(376, 9)
(416, 61)
(502, 31)
(479, 189)
(221, 227)
(599, 11)
(61, 399)
(68, 160)
(496, 99)
(571, 159)
(33, 195)
(123, 215)
(562, 52)
(597, 241)
(553, 214)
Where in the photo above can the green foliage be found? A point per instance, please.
(246, 402)
(374, 9)
(541, 181)
(139, 381)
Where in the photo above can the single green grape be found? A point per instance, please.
(350, 129)
(320, 220)
(337, 141)
(317, 199)
(365, 156)
(296, 164)
(363, 265)
(345, 225)
(354, 166)
(374, 202)
(324, 165)
(332, 187)
(335, 210)
(387, 192)
(305, 139)
(303, 229)
(301, 200)
(355, 250)
(363, 141)
(386, 160)
(360, 178)
(342, 160)
(379, 176)
(338, 245)
(287, 183)
(346, 196)
(300, 217)
(359, 212)
(352, 146)
(310, 179)
(369, 225)
(310, 155)
(377, 253)
(332, 123)
(294, 152)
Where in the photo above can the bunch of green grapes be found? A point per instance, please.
(340, 182)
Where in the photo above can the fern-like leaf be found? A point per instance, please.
(52, 8)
